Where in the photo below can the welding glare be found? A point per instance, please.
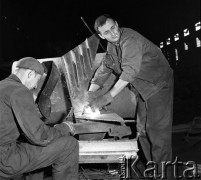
(89, 112)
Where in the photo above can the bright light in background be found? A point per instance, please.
(176, 53)
(161, 45)
(197, 26)
(185, 46)
(168, 41)
(176, 37)
(186, 32)
(198, 43)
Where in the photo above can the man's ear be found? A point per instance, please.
(31, 74)
(101, 36)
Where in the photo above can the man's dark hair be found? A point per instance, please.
(101, 20)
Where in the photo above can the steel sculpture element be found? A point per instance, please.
(79, 66)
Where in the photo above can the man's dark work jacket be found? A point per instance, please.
(138, 61)
(18, 114)
(135, 60)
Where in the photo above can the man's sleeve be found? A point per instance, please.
(101, 75)
(33, 127)
(131, 59)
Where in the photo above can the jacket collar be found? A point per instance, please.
(13, 77)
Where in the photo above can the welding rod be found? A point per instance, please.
(86, 25)
(91, 31)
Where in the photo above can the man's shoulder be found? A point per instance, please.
(10, 90)
(128, 33)
(10, 87)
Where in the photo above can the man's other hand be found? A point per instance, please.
(101, 101)
(91, 96)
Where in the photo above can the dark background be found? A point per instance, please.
(44, 29)
(51, 28)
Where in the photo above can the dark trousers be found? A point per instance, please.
(62, 154)
(155, 125)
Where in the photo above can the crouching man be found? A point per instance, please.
(45, 145)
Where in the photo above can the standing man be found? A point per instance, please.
(141, 65)
(44, 145)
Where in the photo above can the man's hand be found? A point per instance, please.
(91, 96)
(101, 101)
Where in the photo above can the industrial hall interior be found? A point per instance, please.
(100, 90)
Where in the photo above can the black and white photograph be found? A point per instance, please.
(100, 90)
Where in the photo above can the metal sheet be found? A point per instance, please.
(96, 127)
(44, 102)
(78, 68)
(110, 117)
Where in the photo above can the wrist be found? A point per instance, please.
(94, 87)
(109, 97)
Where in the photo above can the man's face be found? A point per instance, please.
(110, 31)
(32, 80)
